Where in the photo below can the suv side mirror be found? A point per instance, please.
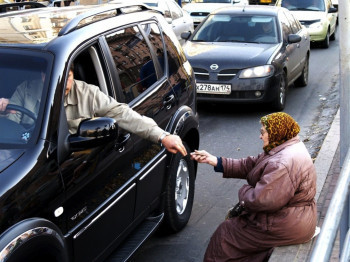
(93, 132)
(185, 35)
(292, 38)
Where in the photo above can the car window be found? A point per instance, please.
(88, 76)
(295, 25)
(153, 34)
(23, 82)
(286, 29)
(133, 60)
(175, 10)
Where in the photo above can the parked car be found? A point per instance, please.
(200, 9)
(80, 196)
(249, 54)
(16, 6)
(318, 16)
(179, 20)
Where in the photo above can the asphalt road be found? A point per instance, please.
(233, 131)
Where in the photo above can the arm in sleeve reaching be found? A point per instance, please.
(271, 193)
(239, 168)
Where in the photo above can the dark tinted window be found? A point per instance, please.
(133, 61)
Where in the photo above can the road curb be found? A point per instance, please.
(323, 162)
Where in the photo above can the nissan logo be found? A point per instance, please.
(214, 67)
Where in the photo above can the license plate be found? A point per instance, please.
(214, 89)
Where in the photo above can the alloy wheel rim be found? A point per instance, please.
(306, 71)
(282, 91)
(182, 187)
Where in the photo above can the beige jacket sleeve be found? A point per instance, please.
(86, 101)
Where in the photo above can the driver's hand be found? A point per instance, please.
(3, 104)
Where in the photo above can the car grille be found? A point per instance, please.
(310, 22)
(199, 13)
(227, 74)
(201, 74)
(223, 75)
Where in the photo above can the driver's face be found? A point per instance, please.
(69, 82)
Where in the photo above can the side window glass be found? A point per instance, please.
(286, 30)
(292, 22)
(133, 61)
(152, 32)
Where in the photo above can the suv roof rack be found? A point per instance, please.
(99, 14)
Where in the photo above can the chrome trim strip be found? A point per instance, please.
(227, 74)
(152, 168)
(205, 74)
(24, 237)
(104, 211)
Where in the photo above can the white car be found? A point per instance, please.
(318, 16)
(199, 9)
(179, 20)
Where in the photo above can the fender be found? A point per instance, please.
(32, 239)
(183, 115)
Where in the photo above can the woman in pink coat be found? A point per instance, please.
(277, 206)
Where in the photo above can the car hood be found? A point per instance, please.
(8, 157)
(229, 55)
(309, 15)
(204, 7)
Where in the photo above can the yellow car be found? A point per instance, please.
(318, 16)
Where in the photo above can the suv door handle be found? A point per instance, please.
(168, 101)
(121, 142)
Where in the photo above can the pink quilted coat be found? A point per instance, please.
(279, 204)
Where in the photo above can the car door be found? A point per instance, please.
(303, 45)
(99, 185)
(291, 49)
(139, 58)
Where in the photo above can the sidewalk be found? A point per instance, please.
(327, 166)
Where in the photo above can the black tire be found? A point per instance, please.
(303, 79)
(180, 183)
(325, 42)
(280, 99)
(332, 37)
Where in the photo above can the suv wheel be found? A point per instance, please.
(179, 192)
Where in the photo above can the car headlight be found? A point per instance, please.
(259, 71)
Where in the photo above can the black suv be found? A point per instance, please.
(80, 197)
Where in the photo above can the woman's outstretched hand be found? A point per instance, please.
(202, 156)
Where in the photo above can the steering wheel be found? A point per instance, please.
(22, 110)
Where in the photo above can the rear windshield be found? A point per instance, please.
(23, 81)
